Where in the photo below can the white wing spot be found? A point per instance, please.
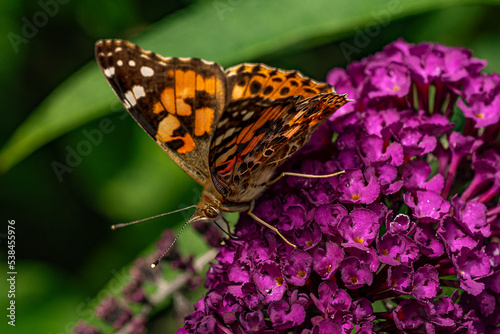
(147, 71)
(207, 62)
(229, 132)
(138, 92)
(218, 140)
(109, 72)
(118, 49)
(119, 63)
(247, 116)
(129, 96)
(223, 122)
(131, 63)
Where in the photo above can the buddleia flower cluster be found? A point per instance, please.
(405, 240)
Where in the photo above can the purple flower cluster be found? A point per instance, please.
(406, 240)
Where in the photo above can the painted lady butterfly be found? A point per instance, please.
(229, 130)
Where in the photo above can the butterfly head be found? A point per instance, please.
(207, 210)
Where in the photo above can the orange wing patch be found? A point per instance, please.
(249, 80)
(165, 134)
(192, 90)
(174, 99)
(203, 121)
(206, 89)
(207, 84)
(167, 101)
(185, 84)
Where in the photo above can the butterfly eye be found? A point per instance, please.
(211, 212)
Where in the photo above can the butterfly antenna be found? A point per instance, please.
(117, 226)
(154, 264)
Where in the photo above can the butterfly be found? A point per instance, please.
(229, 129)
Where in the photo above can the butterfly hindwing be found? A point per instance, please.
(177, 101)
(258, 131)
(243, 129)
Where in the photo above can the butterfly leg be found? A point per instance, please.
(272, 228)
(227, 230)
(310, 176)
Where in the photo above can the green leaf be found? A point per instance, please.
(225, 31)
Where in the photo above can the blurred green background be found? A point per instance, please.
(53, 95)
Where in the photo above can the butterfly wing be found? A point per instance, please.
(247, 80)
(177, 101)
(258, 131)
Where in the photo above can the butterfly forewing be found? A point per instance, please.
(177, 101)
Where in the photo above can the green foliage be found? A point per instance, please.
(213, 31)
(65, 252)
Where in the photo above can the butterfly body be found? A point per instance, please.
(229, 130)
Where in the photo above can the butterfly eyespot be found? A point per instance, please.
(268, 152)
